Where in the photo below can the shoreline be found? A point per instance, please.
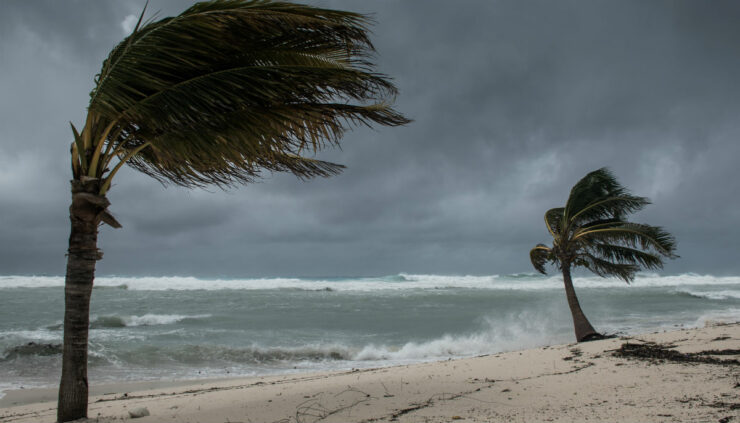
(569, 382)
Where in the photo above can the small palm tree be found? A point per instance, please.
(215, 96)
(591, 231)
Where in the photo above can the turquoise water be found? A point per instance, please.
(182, 328)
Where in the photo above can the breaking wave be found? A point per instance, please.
(31, 349)
(521, 281)
(711, 295)
(731, 315)
(221, 355)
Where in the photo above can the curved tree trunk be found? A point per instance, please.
(81, 257)
(581, 324)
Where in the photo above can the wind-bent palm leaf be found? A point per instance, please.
(595, 186)
(554, 220)
(605, 268)
(230, 88)
(633, 235)
(610, 207)
(539, 256)
(626, 255)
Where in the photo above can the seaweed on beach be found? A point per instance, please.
(662, 353)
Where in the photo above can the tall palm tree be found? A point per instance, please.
(592, 231)
(214, 96)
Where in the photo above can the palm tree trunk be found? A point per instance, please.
(581, 324)
(81, 258)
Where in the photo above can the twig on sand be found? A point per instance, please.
(314, 410)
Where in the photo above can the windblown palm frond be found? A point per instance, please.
(598, 195)
(635, 235)
(539, 256)
(615, 207)
(230, 88)
(606, 268)
(554, 220)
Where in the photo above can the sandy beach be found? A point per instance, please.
(681, 375)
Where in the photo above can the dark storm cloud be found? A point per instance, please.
(513, 102)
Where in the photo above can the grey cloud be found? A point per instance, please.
(513, 102)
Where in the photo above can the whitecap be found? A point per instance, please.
(402, 281)
(711, 295)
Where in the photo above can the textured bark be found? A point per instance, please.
(583, 328)
(81, 257)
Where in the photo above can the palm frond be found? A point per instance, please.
(593, 187)
(599, 224)
(168, 169)
(626, 255)
(230, 88)
(634, 235)
(609, 207)
(539, 256)
(240, 136)
(554, 220)
(606, 268)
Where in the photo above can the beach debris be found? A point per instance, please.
(321, 405)
(387, 392)
(138, 412)
(576, 353)
(657, 353)
(725, 405)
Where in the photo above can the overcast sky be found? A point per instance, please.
(513, 102)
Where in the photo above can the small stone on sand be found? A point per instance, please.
(138, 412)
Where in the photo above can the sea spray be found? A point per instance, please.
(521, 281)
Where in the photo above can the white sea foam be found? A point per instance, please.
(730, 315)
(711, 295)
(39, 335)
(526, 329)
(398, 282)
(446, 346)
(30, 281)
(161, 319)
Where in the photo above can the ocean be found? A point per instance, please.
(154, 328)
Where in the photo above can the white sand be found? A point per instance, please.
(564, 383)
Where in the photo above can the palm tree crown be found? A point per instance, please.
(230, 88)
(592, 231)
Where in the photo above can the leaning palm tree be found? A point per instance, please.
(591, 231)
(215, 96)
